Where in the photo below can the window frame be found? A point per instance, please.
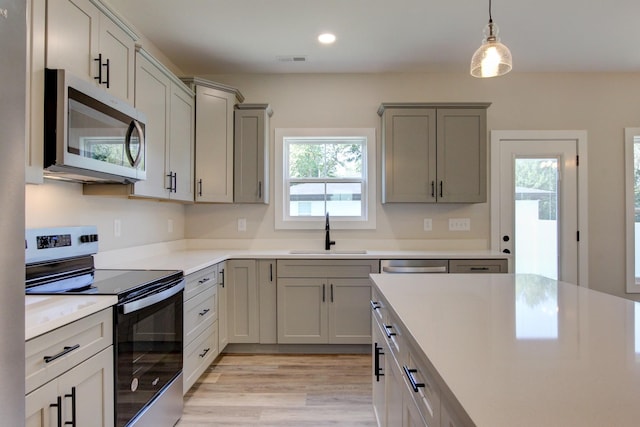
(368, 218)
(632, 283)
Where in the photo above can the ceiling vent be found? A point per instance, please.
(292, 58)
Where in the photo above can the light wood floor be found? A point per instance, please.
(282, 390)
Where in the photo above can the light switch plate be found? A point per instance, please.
(427, 224)
(242, 224)
(459, 224)
(117, 227)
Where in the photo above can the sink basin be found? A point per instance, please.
(316, 252)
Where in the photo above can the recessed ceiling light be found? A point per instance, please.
(326, 38)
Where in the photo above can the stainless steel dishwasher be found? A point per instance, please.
(414, 266)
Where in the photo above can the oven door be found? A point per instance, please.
(148, 350)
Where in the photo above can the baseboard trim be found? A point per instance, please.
(298, 348)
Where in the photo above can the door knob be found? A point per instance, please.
(505, 238)
(506, 251)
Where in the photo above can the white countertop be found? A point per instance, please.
(44, 313)
(525, 350)
(192, 260)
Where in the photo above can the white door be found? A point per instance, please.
(535, 203)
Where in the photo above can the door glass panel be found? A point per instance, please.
(536, 216)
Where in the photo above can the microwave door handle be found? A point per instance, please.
(127, 143)
(141, 303)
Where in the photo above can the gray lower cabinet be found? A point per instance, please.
(408, 393)
(200, 324)
(434, 153)
(251, 301)
(479, 265)
(251, 153)
(324, 301)
(223, 329)
(75, 388)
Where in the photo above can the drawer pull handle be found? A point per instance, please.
(203, 312)
(409, 373)
(205, 280)
(65, 350)
(375, 305)
(479, 268)
(206, 350)
(387, 329)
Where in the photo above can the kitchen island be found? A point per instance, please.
(507, 350)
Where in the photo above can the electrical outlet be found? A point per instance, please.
(170, 226)
(459, 224)
(427, 224)
(117, 228)
(242, 224)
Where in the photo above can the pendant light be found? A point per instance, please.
(492, 58)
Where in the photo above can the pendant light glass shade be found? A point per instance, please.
(492, 58)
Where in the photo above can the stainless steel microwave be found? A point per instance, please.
(90, 136)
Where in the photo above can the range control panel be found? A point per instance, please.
(45, 244)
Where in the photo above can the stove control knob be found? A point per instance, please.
(88, 238)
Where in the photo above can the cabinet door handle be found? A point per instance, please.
(65, 350)
(376, 360)
(58, 405)
(375, 305)
(108, 67)
(441, 192)
(332, 292)
(99, 61)
(204, 353)
(175, 182)
(170, 187)
(205, 311)
(323, 293)
(222, 277)
(200, 187)
(259, 189)
(72, 423)
(409, 373)
(433, 189)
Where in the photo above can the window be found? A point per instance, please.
(325, 170)
(632, 190)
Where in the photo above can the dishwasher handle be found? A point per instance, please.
(435, 269)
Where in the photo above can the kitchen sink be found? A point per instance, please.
(321, 252)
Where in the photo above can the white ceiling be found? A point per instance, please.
(373, 36)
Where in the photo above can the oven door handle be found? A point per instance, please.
(141, 303)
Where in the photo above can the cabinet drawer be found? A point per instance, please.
(346, 268)
(72, 343)
(478, 266)
(200, 281)
(199, 355)
(422, 387)
(199, 313)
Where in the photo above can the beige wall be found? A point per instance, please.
(142, 221)
(601, 104)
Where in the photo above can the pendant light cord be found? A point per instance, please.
(490, 18)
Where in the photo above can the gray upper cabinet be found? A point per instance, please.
(434, 153)
(214, 140)
(251, 153)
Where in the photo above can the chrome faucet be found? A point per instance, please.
(327, 239)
